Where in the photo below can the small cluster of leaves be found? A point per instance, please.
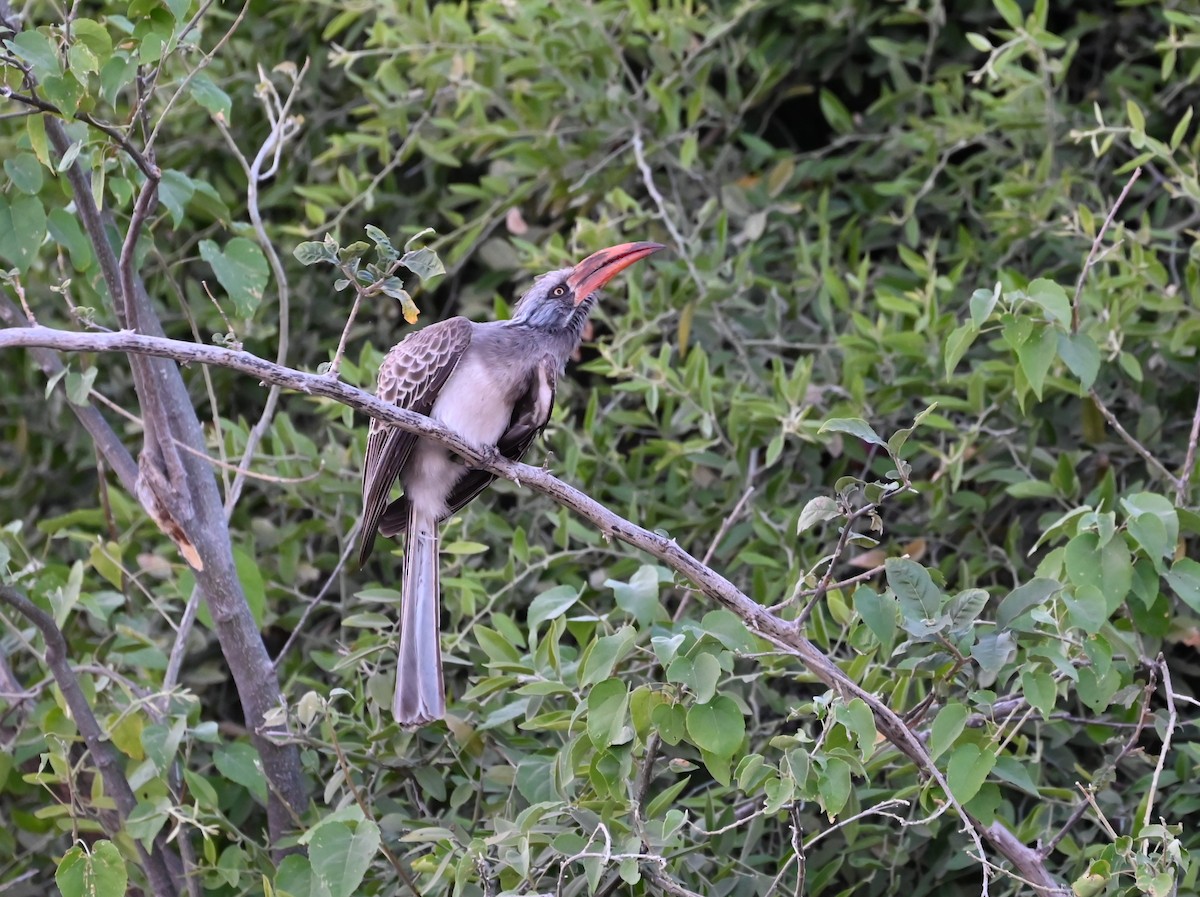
(378, 277)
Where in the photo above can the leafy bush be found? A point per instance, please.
(920, 376)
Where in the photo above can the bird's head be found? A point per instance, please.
(561, 300)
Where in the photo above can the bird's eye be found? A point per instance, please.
(559, 290)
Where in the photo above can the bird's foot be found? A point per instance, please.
(489, 455)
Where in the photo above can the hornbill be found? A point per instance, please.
(492, 383)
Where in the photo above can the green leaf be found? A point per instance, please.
(1184, 580)
(99, 872)
(717, 726)
(833, 785)
(498, 648)
(967, 770)
(340, 858)
(729, 629)
(175, 191)
(66, 232)
(423, 262)
(148, 819)
(240, 763)
(1150, 533)
(878, 612)
(1015, 331)
(418, 237)
(982, 303)
(920, 600)
(211, 97)
(706, 672)
(241, 269)
(817, 510)
(69, 157)
(603, 654)
(1017, 773)
(639, 597)
(835, 112)
(22, 229)
(80, 385)
(383, 246)
(947, 726)
(94, 36)
(993, 650)
(1181, 129)
(1039, 690)
(1036, 355)
(853, 426)
(1052, 298)
(607, 704)
(1086, 608)
(551, 604)
(979, 42)
(313, 251)
(671, 722)
(642, 702)
(293, 877)
(116, 74)
(1108, 569)
(1136, 119)
(965, 607)
(81, 61)
(25, 172)
(1011, 13)
(858, 719)
(957, 344)
(718, 766)
(252, 583)
(1160, 506)
(1022, 598)
(35, 48)
(898, 439)
(1081, 356)
(38, 142)
(1130, 365)
(1096, 689)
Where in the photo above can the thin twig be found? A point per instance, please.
(665, 883)
(880, 809)
(1189, 460)
(398, 158)
(180, 644)
(351, 539)
(843, 539)
(359, 292)
(348, 777)
(1131, 441)
(1172, 719)
(724, 528)
(284, 128)
(200, 66)
(148, 168)
(1130, 744)
(1091, 257)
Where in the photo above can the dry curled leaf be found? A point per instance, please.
(515, 222)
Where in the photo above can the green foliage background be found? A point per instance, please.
(872, 208)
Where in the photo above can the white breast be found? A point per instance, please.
(471, 405)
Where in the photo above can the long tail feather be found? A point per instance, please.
(420, 695)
